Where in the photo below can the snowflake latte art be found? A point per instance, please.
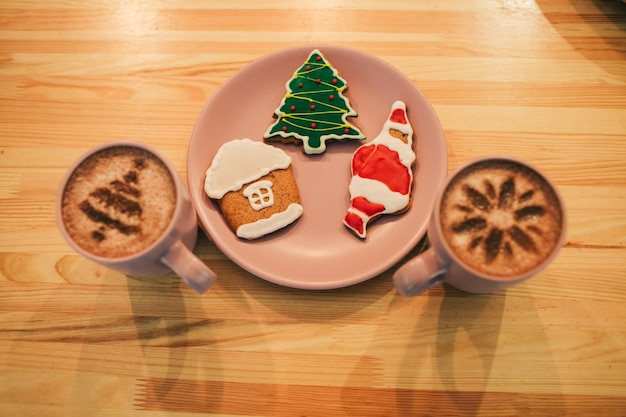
(501, 218)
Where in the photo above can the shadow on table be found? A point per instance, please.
(172, 329)
(468, 332)
(168, 322)
(316, 306)
(463, 347)
(608, 46)
(470, 350)
(136, 338)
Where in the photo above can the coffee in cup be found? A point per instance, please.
(496, 223)
(118, 202)
(500, 218)
(124, 206)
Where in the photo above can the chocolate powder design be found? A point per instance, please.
(498, 241)
(119, 195)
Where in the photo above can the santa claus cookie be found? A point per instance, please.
(382, 174)
(314, 109)
(254, 185)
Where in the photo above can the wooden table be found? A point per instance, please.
(541, 80)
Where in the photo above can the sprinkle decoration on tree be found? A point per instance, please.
(314, 108)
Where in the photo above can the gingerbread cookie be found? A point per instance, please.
(254, 185)
(382, 173)
(314, 109)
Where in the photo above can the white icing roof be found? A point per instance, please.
(240, 162)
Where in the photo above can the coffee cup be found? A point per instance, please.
(496, 223)
(124, 206)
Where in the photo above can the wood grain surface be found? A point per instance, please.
(540, 80)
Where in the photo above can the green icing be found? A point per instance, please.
(314, 108)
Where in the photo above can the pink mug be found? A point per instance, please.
(124, 206)
(496, 223)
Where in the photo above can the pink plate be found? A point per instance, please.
(318, 251)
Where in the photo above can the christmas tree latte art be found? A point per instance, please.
(314, 109)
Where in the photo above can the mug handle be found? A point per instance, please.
(419, 274)
(189, 267)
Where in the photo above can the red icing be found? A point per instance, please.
(346, 131)
(293, 108)
(300, 85)
(312, 106)
(355, 222)
(318, 81)
(284, 128)
(308, 68)
(378, 162)
(313, 125)
(331, 97)
(367, 207)
(334, 81)
(319, 58)
(398, 116)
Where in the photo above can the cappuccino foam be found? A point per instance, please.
(501, 218)
(118, 201)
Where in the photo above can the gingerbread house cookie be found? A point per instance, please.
(254, 185)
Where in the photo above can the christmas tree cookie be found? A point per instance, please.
(314, 109)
